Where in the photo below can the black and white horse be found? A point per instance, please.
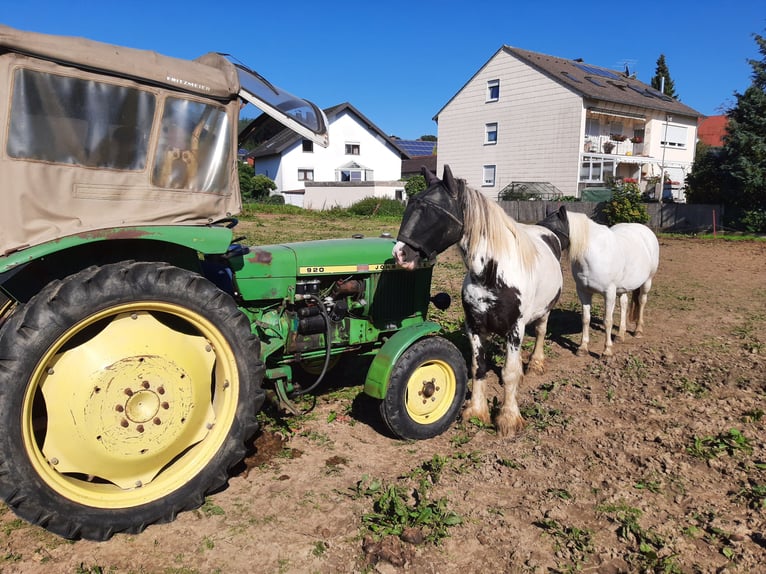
(513, 278)
(612, 261)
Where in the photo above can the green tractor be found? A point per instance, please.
(139, 337)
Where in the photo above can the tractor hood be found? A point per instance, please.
(270, 271)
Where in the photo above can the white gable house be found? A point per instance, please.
(361, 161)
(529, 121)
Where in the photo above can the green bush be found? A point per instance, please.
(371, 206)
(755, 221)
(276, 199)
(626, 205)
(415, 184)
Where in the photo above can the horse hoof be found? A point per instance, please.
(469, 412)
(536, 367)
(507, 426)
(582, 352)
(638, 335)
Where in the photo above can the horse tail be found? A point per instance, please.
(634, 299)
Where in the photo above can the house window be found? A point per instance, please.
(674, 136)
(351, 175)
(352, 149)
(305, 175)
(488, 177)
(592, 127)
(595, 169)
(493, 90)
(490, 134)
(308, 146)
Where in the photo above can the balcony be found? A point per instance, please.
(604, 144)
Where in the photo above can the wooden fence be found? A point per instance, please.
(667, 217)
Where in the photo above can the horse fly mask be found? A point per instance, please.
(433, 219)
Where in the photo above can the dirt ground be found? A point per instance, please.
(654, 461)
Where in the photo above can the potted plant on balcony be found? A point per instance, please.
(618, 137)
(637, 139)
(608, 147)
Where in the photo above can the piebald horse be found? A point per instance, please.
(513, 278)
(611, 261)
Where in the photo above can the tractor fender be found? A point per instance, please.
(376, 383)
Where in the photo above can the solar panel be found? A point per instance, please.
(598, 71)
(416, 147)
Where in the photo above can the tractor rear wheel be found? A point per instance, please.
(127, 392)
(426, 389)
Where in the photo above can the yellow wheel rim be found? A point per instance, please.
(430, 392)
(130, 404)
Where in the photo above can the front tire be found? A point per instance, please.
(126, 394)
(426, 390)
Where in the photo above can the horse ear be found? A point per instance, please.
(429, 176)
(563, 213)
(449, 180)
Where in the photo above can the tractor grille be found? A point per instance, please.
(400, 294)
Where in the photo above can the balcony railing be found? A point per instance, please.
(605, 145)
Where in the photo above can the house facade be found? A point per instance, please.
(360, 160)
(531, 121)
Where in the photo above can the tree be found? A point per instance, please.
(705, 184)
(253, 186)
(428, 138)
(414, 185)
(660, 72)
(743, 158)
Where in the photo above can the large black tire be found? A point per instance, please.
(426, 390)
(126, 394)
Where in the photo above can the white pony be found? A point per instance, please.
(612, 261)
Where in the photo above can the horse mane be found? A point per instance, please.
(486, 228)
(579, 231)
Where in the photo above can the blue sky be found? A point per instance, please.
(400, 62)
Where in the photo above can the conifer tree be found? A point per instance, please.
(661, 71)
(743, 158)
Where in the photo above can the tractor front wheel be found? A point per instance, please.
(127, 392)
(426, 389)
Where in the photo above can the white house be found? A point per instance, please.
(361, 161)
(531, 120)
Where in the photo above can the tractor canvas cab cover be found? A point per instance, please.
(97, 136)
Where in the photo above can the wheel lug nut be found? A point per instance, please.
(124, 423)
(157, 421)
(165, 406)
(145, 384)
(119, 408)
(129, 392)
(140, 428)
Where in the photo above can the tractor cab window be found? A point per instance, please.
(194, 147)
(75, 121)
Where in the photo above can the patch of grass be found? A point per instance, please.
(650, 552)
(754, 495)
(730, 442)
(320, 547)
(396, 508)
(541, 418)
(653, 486)
(752, 416)
(573, 544)
(209, 508)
